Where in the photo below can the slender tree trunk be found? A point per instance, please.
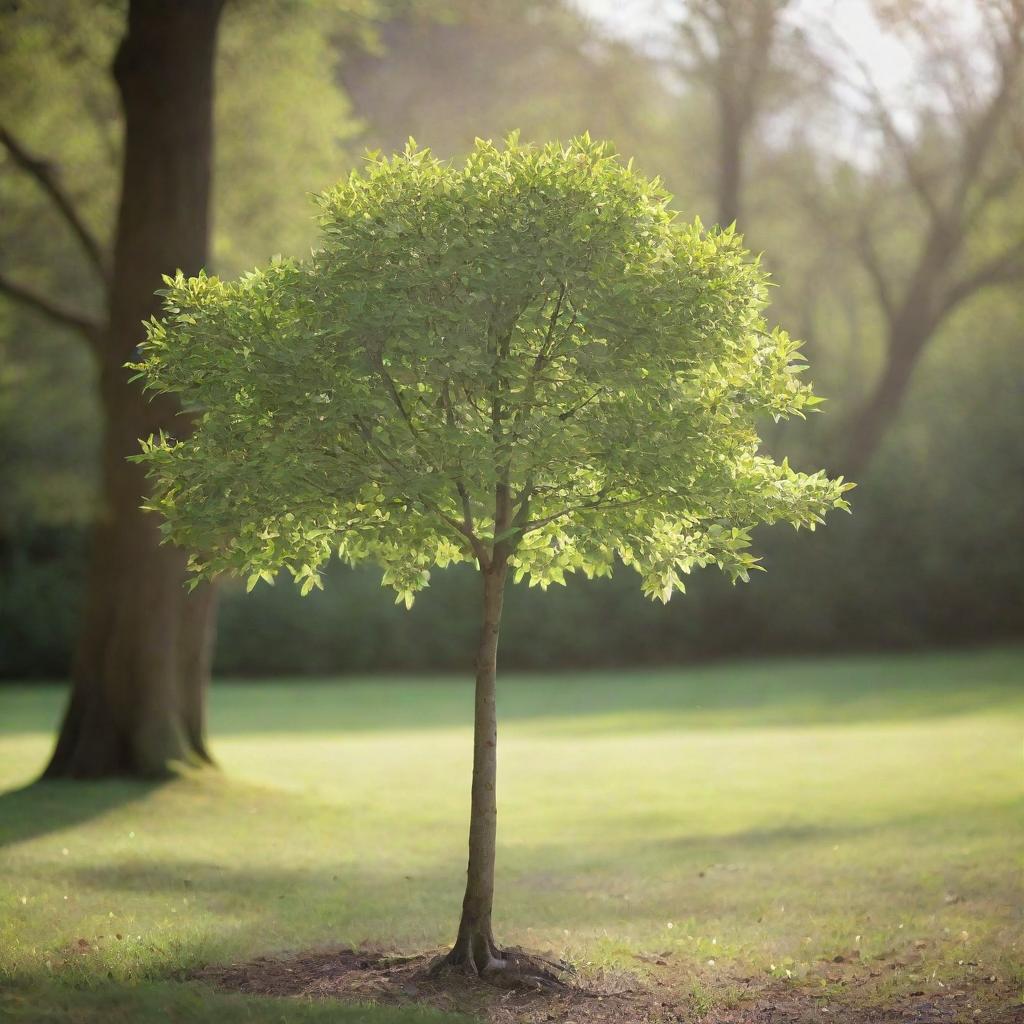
(475, 948)
(142, 664)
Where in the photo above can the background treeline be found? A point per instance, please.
(892, 226)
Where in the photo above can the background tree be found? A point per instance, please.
(730, 48)
(475, 67)
(960, 153)
(895, 576)
(143, 659)
(139, 686)
(523, 363)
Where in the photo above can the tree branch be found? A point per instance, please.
(704, 59)
(1006, 268)
(376, 357)
(79, 321)
(979, 136)
(460, 487)
(872, 264)
(572, 412)
(478, 547)
(536, 524)
(763, 31)
(545, 349)
(996, 188)
(916, 177)
(45, 176)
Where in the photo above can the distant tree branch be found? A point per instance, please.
(1006, 268)
(704, 59)
(980, 135)
(915, 175)
(997, 187)
(957, 189)
(872, 264)
(763, 29)
(46, 177)
(728, 47)
(59, 314)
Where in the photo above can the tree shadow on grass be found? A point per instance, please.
(49, 806)
(774, 693)
(369, 897)
(229, 908)
(771, 694)
(40, 1001)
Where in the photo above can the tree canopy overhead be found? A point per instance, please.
(526, 357)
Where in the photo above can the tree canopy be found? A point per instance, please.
(528, 352)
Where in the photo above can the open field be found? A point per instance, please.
(742, 821)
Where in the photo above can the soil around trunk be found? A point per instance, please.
(663, 989)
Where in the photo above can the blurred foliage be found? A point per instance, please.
(932, 553)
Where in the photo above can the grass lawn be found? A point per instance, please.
(753, 819)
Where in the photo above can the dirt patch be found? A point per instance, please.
(663, 990)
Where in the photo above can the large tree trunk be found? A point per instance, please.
(142, 664)
(475, 948)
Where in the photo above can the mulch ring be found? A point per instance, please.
(668, 991)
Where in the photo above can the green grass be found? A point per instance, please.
(761, 816)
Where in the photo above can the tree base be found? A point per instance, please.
(479, 956)
(92, 745)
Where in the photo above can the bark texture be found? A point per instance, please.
(142, 663)
(475, 948)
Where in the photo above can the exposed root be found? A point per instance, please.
(507, 976)
(561, 966)
(399, 961)
(510, 968)
(519, 970)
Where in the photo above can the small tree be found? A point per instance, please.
(524, 363)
